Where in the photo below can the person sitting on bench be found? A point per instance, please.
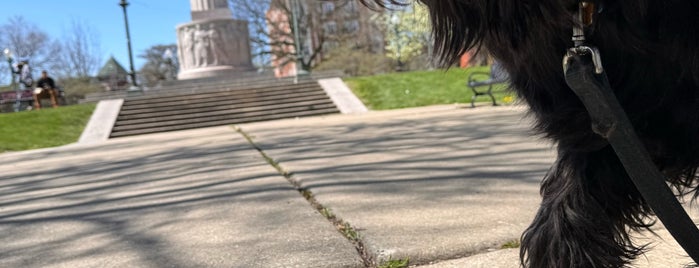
(46, 88)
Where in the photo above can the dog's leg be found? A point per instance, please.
(588, 204)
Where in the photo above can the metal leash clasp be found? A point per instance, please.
(579, 48)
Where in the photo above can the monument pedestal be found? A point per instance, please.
(213, 44)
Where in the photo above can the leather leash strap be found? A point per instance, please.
(589, 82)
(586, 77)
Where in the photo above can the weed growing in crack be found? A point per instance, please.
(348, 231)
(391, 263)
(307, 194)
(511, 244)
(343, 227)
(327, 213)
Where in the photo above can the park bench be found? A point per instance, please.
(8, 99)
(481, 83)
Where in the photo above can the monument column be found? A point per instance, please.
(213, 44)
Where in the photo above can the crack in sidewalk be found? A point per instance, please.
(343, 227)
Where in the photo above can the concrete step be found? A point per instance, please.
(165, 118)
(244, 92)
(195, 88)
(282, 114)
(217, 106)
(205, 84)
(170, 111)
(225, 85)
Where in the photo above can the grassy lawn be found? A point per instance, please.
(43, 128)
(412, 89)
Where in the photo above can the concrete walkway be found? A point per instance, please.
(444, 186)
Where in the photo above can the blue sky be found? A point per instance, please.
(151, 22)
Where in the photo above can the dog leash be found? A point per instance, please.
(586, 77)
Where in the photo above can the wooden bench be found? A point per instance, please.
(8, 99)
(479, 80)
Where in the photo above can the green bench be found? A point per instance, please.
(481, 83)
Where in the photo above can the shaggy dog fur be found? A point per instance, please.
(650, 51)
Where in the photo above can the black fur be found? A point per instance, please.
(650, 51)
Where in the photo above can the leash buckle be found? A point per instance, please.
(584, 17)
(583, 50)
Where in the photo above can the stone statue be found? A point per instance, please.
(201, 47)
(187, 47)
(180, 55)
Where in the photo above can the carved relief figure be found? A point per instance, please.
(180, 46)
(201, 47)
(187, 47)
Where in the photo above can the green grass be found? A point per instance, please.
(43, 128)
(511, 244)
(391, 263)
(421, 88)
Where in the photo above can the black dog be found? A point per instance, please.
(650, 51)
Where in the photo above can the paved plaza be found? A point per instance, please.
(445, 186)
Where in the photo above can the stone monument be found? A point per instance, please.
(213, 44)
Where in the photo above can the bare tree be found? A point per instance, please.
(80, 51)
(254, 12)
(159, 66)
(321, 24)
(28, 42)
(360, 52)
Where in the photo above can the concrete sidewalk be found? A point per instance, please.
(202, 198)
(443, 186)
(428, 184)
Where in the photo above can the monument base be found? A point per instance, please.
(213, 71)
(213, 47)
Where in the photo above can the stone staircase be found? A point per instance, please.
(214, 103)
(195, 85)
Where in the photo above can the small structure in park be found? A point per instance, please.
(113, 76)
(213, 44)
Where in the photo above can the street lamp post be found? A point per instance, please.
(18, 94)
(297, 40)
(123, 5)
